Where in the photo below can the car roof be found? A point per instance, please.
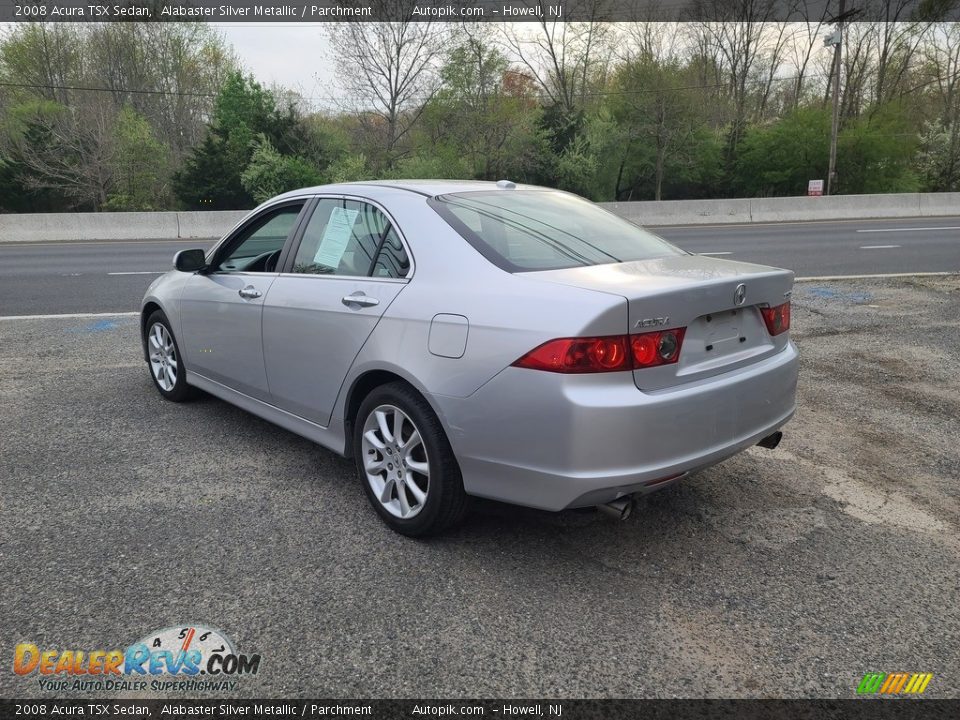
(427, 188)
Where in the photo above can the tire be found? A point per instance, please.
(164, 359)
(415, 487)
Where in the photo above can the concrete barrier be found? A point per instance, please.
(939, 204)
(88, 226)
(838, 207)
(213, 224)
(692, 212)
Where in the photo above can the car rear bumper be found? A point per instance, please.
(555, 441)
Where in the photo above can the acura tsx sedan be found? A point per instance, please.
(483, 339)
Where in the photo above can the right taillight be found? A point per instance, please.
(777, 318)
(610, 353)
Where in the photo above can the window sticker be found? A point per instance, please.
(335, 237)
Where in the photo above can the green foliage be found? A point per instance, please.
(350, 168)
(141, 166)
(938, 159)
(781, 157)
(875, 154)
(211, 177)
(270, 173)
(663, 142)
(439, 165)
(659, 121)
(478, 125)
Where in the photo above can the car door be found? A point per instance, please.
(221, 308)
(349, 265)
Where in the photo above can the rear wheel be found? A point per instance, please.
(163, 357)
(406, 464)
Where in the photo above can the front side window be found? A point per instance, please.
(525, 230)
(258, 246)
(351, 238)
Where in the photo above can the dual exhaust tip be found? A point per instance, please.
(622, 508)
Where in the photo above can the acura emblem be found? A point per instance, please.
(740, 294)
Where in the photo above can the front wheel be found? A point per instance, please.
(406, 464)
(166, 363)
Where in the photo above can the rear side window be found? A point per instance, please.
(350, 237)
(524, 230)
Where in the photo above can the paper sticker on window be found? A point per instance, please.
(336, 237)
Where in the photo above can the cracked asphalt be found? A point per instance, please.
(785, 573)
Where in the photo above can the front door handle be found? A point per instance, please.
(249, 292)
(359, 299)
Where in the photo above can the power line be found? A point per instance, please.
(538, 95)
(423, 98)
(40, 86)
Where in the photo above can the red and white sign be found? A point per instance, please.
(815, 188)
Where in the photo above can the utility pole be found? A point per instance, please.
(835, 39)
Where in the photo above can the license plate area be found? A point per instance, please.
(722, 338)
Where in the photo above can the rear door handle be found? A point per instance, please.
(359, 299)
(249, 292)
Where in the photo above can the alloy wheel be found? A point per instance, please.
(395, 461)
(163, 357)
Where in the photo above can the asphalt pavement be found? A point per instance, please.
(92, 277)
(785, 573)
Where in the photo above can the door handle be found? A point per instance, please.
(249, 292)
(359, 299)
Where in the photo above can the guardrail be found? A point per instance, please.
(213, 224)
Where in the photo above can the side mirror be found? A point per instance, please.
(190, 260)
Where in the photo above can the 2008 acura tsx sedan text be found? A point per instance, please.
(479, 339)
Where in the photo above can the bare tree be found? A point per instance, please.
(389, 69)
(564, 58)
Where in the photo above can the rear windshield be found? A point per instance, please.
(521, 230)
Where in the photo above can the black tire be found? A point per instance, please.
(446, 502)
(180, 391)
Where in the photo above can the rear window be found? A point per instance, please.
(524, 230)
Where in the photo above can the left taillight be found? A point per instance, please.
(777, 318)
(611, 353)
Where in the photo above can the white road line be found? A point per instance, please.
(923, 229)
(70, 316)
(877, 247)
(138, 272)
(878, 276)
(716, 253)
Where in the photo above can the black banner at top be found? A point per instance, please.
(474, 10)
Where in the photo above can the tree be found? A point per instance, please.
(211, 176)
(270, 173)
(67, 85)
(389, 70)
(483, 119)
(660, 115)
(781, 157)
(875, 154)
(141, 166)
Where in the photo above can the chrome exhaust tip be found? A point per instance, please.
(771, 440)
(619, 509)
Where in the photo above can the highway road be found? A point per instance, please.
(100, 277)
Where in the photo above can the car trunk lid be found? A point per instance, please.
(724, 331)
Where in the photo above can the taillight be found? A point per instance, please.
(611, 353)
(579, 355)
(777, 318)
(656, 348)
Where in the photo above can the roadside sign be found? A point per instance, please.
(815, 187)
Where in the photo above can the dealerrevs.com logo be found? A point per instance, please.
(188, 658)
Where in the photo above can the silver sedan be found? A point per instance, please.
(479, 339)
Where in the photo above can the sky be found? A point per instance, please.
(295, 55)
